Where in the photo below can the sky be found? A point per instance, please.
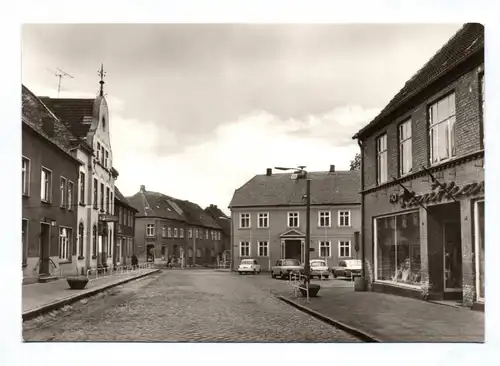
(196, 110)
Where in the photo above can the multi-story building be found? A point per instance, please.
(88, 119)
(269, 217)
(49, 181)
(423, 179)
(167, 227)
(225, 224)
(124, 230)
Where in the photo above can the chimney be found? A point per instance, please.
(332, 168)
(143, 189)
(269, 172)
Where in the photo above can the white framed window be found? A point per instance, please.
(190, 233)
(63, 192)
(70, 195)
(325, 249)
(344, 218)
(218, 235)
(382, 159)
(46, 185)
(102, 154)
(108, 201)
(175, 232)
(344, 248)
(150, 230)
(164, 231)
(293, 219)
(102, 197)
(82, 188)
(324, 219)
(263, 220)
(244, 249)
(442, 129)
(169, 230)
(206, 234)
(244, 220)
(181, 233)
(106, 155)
(405, 148)
(26, 176)
(196, 233)
(212, 234)
(98, 152)
(263, 249)
(64, 243)
(198, 253)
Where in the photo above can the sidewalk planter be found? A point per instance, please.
(360, 284)
(313, 290)
(77, 283)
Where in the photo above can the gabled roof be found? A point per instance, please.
(292, 233)
(468, 41)
(196, 215)
(156, 204)
(121, 198)
(75, 113)
(220, 218)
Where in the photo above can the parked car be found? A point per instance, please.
(347, 268)
(318, 268)
(284, 267)
(249, 266)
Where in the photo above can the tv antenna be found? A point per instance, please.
(60, 74)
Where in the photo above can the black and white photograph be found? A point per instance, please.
(201, 185)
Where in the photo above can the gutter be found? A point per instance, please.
(362, 179)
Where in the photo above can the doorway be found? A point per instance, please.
(44, 249)
(452, 253)
(150, 253)
(293, 249)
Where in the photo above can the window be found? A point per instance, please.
(81, 239)
(95, 193)
(102, 155)
(64, 243)
(190, 233)
(442, 129)
(26, 176)
(344, 218)
(82, 188)
(70, 196)
(263, 220)
(244, 220)
(120, 215)
(263, 249)
(206, 234)
(150, 230)
(102, 197)
(325, 249)
(108, 199)
(94, 241)
(181, 233)
(344, 248)
(131, 214)
(244, 249)
(196, 233)
(175, 232)
(212, 234)
(397, 248)
(324, 219)
(110, 243)
(382, 159)
(111, 203)
(405, 152)
(119, 251)
(46, 185)
(25, 241)
(198, 253)
(218, 235)
(106, 158)
(293, 219)
(62, 189)
(479, 238)
(98, 152)
(164, 231)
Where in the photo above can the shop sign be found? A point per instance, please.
(439, 192)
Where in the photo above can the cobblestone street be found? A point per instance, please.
(183, 306)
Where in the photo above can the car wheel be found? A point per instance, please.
(272, 275)
(334, 275)
(240, 273)
(326, 276)
(258, 272)
(254, 272)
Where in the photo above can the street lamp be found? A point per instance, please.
(302, 174)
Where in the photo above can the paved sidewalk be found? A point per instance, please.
(40, 296)
(390, 318)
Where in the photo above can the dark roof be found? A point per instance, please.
(468, 41)
(156, 204)
(75, 113)
(196, 215)
(224, 222)
(121, 198)
(327, 188)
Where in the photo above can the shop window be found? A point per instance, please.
(397, 243)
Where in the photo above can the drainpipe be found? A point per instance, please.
(363, 266)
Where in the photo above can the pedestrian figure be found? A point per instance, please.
(134, 261)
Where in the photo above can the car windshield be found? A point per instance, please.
(247, 261)
(291, 262)
(353, 262)
(318, 264)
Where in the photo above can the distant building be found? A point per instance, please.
(167, 227)
(423, 179)
(124, 230)
(49, 182)
(269, 217)
(225, 224)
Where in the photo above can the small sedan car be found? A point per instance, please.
(284, 267)
(348, 268)
(249, 266)
(319, 268)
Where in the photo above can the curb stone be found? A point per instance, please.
(349, 329)
(30, 314)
